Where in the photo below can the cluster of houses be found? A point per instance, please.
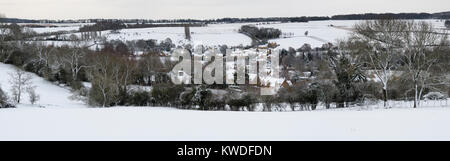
(270, 79)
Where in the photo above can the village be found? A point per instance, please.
(288, 78)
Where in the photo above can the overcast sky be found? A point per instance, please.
(206, 9)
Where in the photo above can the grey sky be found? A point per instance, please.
(205, 9)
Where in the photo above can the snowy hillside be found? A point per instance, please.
(211, 35)
(51, 95)
(59, 27)
(319, 33)
(61, 121)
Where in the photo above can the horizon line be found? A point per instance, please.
(205, 19)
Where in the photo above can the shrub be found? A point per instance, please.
(34, 97)
(311, 97)
(216, 103)
(202, 97)
(401, 89)
(372, 89)
(165, 94)
(139, 98)
(76, 85)
(60, 75)
(4, 100)
(186, 98)
(245, 101)
(434, 96)
(327, 93)
(268, 102)
(18, 58)
(260, 33)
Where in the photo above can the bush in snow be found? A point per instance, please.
(165, 94)
(4, 100)
(307, 95)
(202, 97)
(240, 103)
(139, 98)
(268, 102)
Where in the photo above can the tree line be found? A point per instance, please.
(260, 35)
(118, 25)
(366, 16)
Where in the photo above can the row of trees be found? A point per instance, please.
(374, 16)
(260, 33)
(4, 100)
(119, 24)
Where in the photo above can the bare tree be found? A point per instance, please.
(44, 54)
(33, 96)
(123, 76)
(20, 82)
(421, 41)
(74, 59)
(415, 44)
(150, 64)
(103, 75)
(380, 39)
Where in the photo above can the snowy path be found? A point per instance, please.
(133, 123)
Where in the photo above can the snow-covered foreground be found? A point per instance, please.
(65, 119)
(133, 123)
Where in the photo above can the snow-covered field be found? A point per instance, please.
(211, 35)
(56, 29)
(319, 33)
(220, 34)
(59, 27)
(65, 119)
